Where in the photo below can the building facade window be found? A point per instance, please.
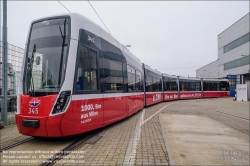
(237, 63)
(236, 43)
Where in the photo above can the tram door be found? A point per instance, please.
(114, 101)
(89, 103)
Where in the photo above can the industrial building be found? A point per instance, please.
(233, 60)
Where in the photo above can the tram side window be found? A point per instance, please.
(224, 86)
(131, 78)
(173, 85)
(190, 86)
(86, 69)
(111, 77)
(194, 86)
(138, 81)
(156, 85)
(170, 84)
(208, 86)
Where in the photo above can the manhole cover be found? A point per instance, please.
(93, 140)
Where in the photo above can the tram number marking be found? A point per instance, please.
(33, 111)
(91, 39)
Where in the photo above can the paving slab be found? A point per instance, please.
(199, 140)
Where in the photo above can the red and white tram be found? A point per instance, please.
(76, 77)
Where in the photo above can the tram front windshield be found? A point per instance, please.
(46, 56)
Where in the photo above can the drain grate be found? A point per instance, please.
(93, 140)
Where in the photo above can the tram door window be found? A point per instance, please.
(131, 78)
(156, 85)
(211, 86)
(111, 74)
(86, 69)
(184, 86)
(149, 83)
(138, 82)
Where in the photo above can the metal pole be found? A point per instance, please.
(0, 18)
(1, 57)
(4, 65)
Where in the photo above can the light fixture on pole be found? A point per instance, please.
(244, 55)
(128, 46)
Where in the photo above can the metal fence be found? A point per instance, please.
(15, 58)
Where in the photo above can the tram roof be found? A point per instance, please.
(214, 79)
(79, 21)
(167, 75)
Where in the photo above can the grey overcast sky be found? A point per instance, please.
(173, 37)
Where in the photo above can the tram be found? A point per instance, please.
(76, 77)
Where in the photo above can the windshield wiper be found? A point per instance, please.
(51, 86)
(30, 64)
(62, 51)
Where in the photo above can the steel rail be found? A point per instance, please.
(16, 144)
(232, 115)
(73, 146)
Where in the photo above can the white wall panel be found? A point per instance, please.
(235, 31)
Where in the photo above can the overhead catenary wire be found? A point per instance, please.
(64, 6)
(99, 17)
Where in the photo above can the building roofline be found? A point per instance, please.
(233, 23)
(207, 64)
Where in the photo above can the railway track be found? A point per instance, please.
(232, 115)
(91, 138)
(16, 144)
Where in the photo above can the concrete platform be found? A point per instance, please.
(199, 140)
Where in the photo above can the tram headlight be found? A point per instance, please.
(62, 102)
(58, 107)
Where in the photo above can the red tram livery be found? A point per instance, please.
(76, 77)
